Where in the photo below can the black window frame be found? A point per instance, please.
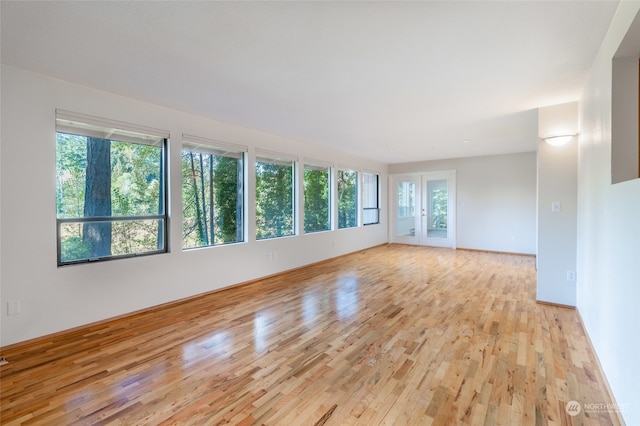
(370, 209)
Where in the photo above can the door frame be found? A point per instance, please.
(420, 179)
(450, 241)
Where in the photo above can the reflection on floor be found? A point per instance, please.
(396, 334)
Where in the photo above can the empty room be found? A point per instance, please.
(319, 212)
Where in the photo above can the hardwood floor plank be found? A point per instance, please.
(393, 335)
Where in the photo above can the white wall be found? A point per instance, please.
(58, 298)
(496, 199)
(557, 182)
(608, 292)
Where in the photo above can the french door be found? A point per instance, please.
(424, 209)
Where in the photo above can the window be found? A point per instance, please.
(274, 196)
(212, 193)
(347, 199)
(370, 203)
(110, 189)
(317, 198)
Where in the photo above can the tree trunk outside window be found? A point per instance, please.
(97, 199)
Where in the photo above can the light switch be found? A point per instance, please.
(555, 207)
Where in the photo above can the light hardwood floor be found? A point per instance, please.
(391, 335)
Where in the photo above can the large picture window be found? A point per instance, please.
(212, 193)
(370, 200)
(110, 189)
(347, 199)
(274, 196)
(317, 198)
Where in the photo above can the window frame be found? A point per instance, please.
(84, 125)
(366, 208)
(327, 168)
(356, 209)
(197, 144)
(270, 157)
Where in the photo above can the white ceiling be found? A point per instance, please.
(393, 81)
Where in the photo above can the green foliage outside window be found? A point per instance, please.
(113, 180)
(212, 199)
(439, 209)
(316, 199)
(347, 198)
(274, 199)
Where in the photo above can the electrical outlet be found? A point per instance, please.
(270, 257)
(571, 275)
(275, 255)
(14, 307)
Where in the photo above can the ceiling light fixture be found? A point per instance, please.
(558, 140)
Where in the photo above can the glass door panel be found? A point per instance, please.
(422, 208)
(406, 209)
(405, 196)
(437, 210)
